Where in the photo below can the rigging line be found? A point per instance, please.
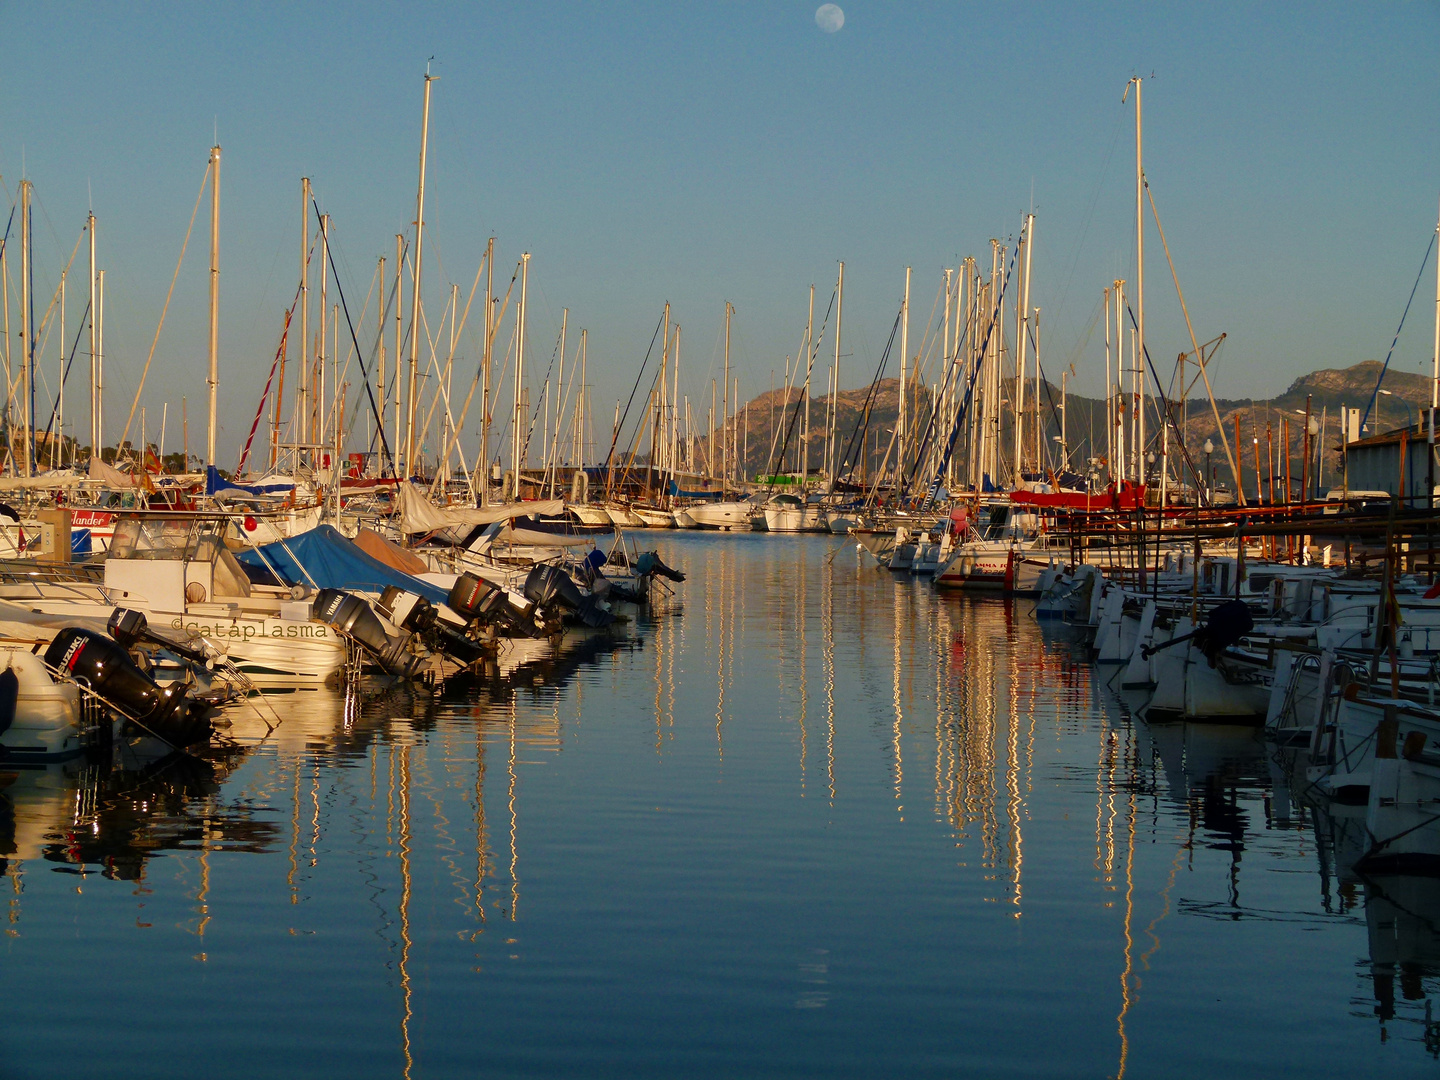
(145, 371)
(994, 321)
(862, 422)
(805, 391)
(274, 364)
(55, 407)
(1168, 413)
(369, 390)
(640, 375)
(1385, 366)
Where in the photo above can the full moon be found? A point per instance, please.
(829, 18)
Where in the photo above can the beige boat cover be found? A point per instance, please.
(389, 553)
(419, 515)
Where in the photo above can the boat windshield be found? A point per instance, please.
(167, 539)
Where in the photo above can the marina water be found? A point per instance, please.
(803, 818)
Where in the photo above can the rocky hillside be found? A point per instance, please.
(768, 423)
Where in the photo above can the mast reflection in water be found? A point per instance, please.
(800, 817)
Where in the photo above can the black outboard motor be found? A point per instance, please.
(475, 599)
(130, 627)
(354, 618)
(649, 564)
(549, 585)
(1226, 625)
(106, 667)
(411, 611)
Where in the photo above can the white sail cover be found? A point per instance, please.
(419, 515)
(46, 481)
(109, 475)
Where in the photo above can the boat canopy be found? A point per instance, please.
(326, 560)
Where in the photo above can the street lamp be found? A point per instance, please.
(1209, 449)
(1409, 413)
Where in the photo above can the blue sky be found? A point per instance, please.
(699, 153)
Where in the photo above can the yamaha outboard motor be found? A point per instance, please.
(354, 618)
(107, 669)
(548, 585)
(475, 599)
(440, 629)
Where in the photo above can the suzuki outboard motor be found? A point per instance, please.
(354, 618)
(548, 585)
(476, 599)
(107, 669)
(440, 628)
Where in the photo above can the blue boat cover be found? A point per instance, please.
(334, 563)
(214, 482)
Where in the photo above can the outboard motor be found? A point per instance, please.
(548, 585)
(475, 599)
(354, 618)
(650, 564)
(107, 669)
(411, 611)
(1226, 625)
(130, 627)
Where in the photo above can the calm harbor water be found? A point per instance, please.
(803, 819)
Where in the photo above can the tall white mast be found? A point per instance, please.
(830, 463)
(397, 449)
(302, 397)
(27, 331)
(485, 358)
(805, 389)
(725, 406)
(94, 352)
(1435, 361)
(904, 361)
(1139, 285)
(415, 286)
(519, 416)
(214, 378)
(100, 367)
(1109, 394)
(1022, 324)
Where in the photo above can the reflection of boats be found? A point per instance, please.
(87, 813)
(1402, 915)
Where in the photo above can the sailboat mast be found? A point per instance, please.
(485, 356)
(519, 415)
(1139, 280)
(904, 360)
(725, 405)
(301, 426)
(27, 330)
(415, 285)
(380, 346)
(1109, 393)
(399, 319)
(834, 404)
(94, 395)
(214, 378)
(805, 389)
